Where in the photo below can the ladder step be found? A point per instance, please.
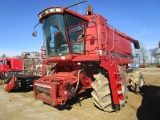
(120, 92)
(122, 102)
(119, 82)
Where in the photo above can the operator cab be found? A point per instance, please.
(63, 31)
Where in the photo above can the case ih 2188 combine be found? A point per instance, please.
(89, 54)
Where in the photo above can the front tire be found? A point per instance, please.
(101, 93)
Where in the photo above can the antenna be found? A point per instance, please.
(76, 1)
(77, 4)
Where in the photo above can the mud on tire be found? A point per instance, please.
(136, 81)
(101, 93)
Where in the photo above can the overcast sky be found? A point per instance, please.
(139, 19)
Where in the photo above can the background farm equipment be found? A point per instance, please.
(89, 55)
(22, 78)
(10, 65)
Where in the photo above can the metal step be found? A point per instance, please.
(120, 92)
(122, 103)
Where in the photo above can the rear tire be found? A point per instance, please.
(101, 93)
(137, 81)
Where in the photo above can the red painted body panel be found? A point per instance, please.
(58, 86)
(11, 84)
(10, 64)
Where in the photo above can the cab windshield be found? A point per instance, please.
(54, 35)
(54, 29)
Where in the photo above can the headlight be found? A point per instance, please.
(48, 11)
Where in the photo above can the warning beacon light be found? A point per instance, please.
(89, 10)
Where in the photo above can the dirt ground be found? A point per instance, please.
(22, 105)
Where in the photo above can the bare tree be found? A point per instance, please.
(151, 54)
(3, 56)
(142, 54)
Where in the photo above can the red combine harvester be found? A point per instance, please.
(20, 73)
(89, 55)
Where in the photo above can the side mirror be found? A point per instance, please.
(34, 34)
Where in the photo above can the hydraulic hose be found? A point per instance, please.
(77, 81)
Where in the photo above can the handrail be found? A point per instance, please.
(122, 67)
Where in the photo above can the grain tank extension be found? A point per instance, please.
(89, 54)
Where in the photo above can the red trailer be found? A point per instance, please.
(89, 55)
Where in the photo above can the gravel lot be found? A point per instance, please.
(22, 105)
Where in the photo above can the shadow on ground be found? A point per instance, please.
(150, 106)
(75, 100)
(22, 90)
